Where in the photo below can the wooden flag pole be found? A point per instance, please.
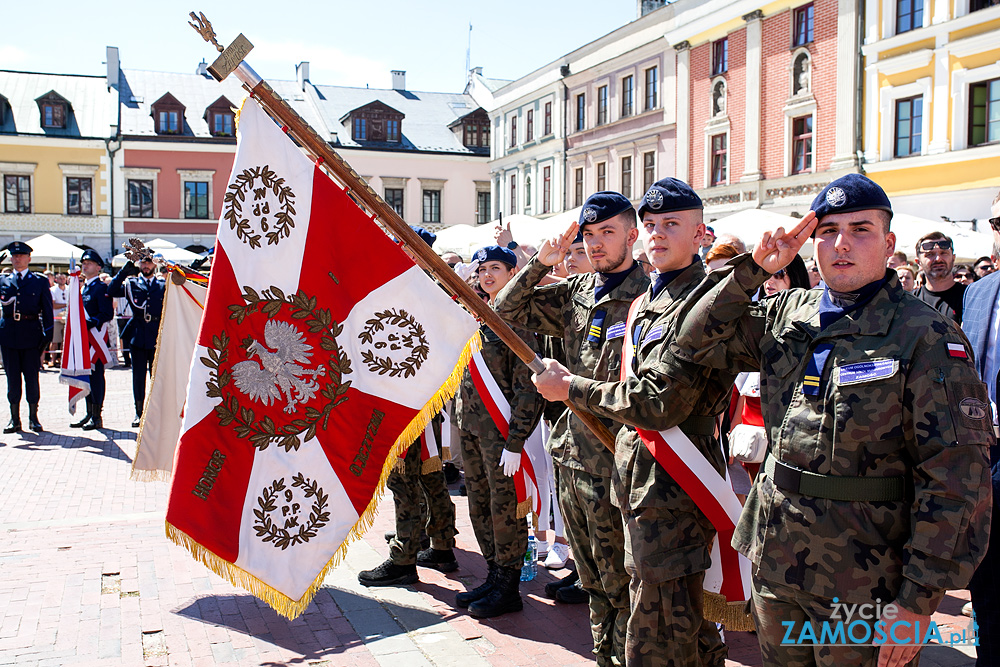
(232, 60)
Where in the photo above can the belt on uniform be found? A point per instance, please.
(834, 487)
(18, 316)
(698, 425)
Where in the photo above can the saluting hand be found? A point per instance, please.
(777, 249)
(503, 235)
(553, 251)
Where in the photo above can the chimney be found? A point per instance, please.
(478, 71)
(113, 66)
(302, 73)
(203, 69)
(398, 79)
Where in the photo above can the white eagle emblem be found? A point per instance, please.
(836, 197)
(589, 215)
(654, 198)
(278, 370)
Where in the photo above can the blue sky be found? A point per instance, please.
(347, 43)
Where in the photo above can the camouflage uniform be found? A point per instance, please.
(415, 494)
(668, 539)
(920, 419)
(584, 466)
(502, 537)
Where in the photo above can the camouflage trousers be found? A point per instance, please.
(775, 606)
(594, 532)
(502, 537)
(414, 495)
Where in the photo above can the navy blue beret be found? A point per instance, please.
(494, 253)
(668, 195)
(18, 248)
(602, 206)
(93, 257)
(429, 237)
(850, 193)
(579, 236)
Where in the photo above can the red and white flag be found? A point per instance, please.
(323, 352)
(82, 347)
(729, 573)
(156, 444)
(525, 482)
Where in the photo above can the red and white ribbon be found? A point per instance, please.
(713, 493)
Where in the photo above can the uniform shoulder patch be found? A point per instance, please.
(956, 350)
(655, 333)
(616, 330)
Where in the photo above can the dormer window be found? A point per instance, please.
(375, 122)
(475, 128)
(168, 115)
(220, 117)
(54, 109)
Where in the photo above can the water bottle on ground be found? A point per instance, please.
(530, 566)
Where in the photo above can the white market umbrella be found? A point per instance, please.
(47, 249)
(175, 255)
(750, 224)
(968, 244)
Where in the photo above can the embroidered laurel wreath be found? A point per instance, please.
(289, 379)
(258, 181)
(279, 533)
(396, 331)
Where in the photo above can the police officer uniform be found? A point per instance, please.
(588, 312)
(876, 488)
(667, 536)
(98, 309)
(145, 298)
(25, 333)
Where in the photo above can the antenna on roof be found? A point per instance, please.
(468, 56)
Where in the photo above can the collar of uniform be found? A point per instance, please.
(90, 280)
(678, 288)
(871, 319)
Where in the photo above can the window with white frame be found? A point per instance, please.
(720, 159)
(196, 193)
(802, 144)
(141, 186)
(908, 126)
(904, 125)
(984, 112)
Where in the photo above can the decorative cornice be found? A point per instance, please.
(682, 46)
(755, 15)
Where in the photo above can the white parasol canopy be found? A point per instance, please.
(48, 249)
(968, 244)
(750, 224)
(171, 252)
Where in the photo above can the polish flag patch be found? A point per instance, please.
(957, 350)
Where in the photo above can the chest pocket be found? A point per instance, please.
(869, 401)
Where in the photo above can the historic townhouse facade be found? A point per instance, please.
(767, 106)
(599, 118)
(932, 105)
(55, 131)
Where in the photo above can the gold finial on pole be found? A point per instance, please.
(204, 28)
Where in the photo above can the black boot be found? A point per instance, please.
(33, 422)
(439, 559)
(553, 587)
(389, 574)
(504, 598)
(573, 594)
(95, 422)
(468, 597)
(86, 417)
(14, 425)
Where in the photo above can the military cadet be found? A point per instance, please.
(99, 310)
(876, 489)
(414, 483)
(25, 332)
(143, 290)
(490, 457)
(667, 538)
(588, 312)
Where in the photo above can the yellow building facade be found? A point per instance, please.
(931, 96)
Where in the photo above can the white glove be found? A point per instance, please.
(464, 271)
(510, 462)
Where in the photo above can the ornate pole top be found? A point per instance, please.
(204, 28)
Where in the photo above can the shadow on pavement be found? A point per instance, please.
(100, 442)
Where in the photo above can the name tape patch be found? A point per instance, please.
(866, 371)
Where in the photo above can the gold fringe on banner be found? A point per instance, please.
(732, 615)
(277, 600)
(149, 475)
(523, 508)
(433, 464)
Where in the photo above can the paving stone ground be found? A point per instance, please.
(87, 577)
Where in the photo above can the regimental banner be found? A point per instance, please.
(323, 353)
(183, 306)
(75, 362)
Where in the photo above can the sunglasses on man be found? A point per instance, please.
(995, 224)
(943, 244)
(963, 276)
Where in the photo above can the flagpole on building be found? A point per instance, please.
(231, 60)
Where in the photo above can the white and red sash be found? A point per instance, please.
(526, 483)
(430, 449)
(713, 493)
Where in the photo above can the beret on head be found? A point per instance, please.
(18, 248)
(93, 257)
(494, 253)
(429, 237)
(667, 195)
(850, 193)
(602, 206)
